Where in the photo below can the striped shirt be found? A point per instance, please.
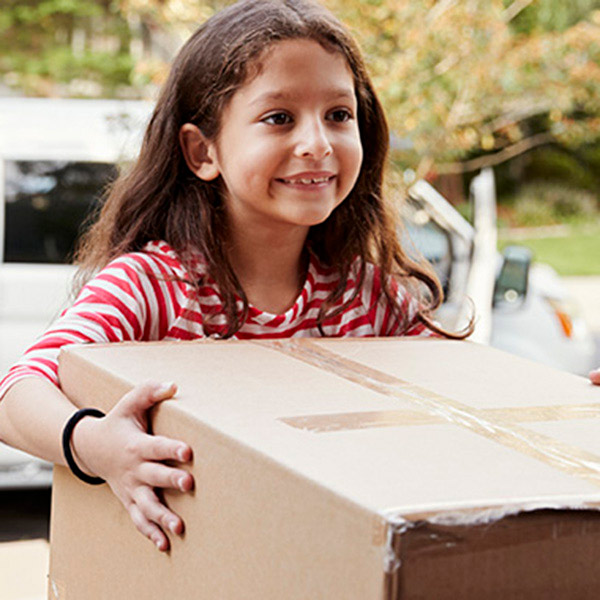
(147, 296)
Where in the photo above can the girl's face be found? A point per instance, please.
(289, 148)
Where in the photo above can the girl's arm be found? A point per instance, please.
(117, 448)
(123, 302)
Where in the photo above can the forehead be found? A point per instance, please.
(297, 67)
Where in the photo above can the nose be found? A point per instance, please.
(313, 140)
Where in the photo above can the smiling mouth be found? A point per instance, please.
(307, 180)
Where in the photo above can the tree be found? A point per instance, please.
(57, 41)
(91, 48)
(476, 82)
(465, 82)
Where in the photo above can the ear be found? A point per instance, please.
(199, 153)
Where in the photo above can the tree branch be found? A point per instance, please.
(517, 115)
(491, 160)
(439, 9)
(424, 167)
(514, 9)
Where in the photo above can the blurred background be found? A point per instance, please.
(507, 85)
(512, 84)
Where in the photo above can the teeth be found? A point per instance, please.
(307, 181)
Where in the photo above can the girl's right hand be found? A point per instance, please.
(119, 449)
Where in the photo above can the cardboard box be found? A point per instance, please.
(345, 469)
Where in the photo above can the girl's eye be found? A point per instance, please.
(340, 115)
(278, 119)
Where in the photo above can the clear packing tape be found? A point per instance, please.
(499, 424)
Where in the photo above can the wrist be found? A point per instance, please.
(83, 439)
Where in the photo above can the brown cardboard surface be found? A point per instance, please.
(465, 373)
(283, 510)
(550, 555)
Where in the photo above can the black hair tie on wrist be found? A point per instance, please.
(66, 444)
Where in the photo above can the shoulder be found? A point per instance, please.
(393, 313)
(139, 295)
(153, 275)
(154, 259)
(155, 262)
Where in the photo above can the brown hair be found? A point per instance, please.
(161, 199)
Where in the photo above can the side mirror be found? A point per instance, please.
(511, 284)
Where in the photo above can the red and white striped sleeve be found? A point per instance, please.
(135, 297)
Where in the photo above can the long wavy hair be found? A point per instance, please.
(159, 198)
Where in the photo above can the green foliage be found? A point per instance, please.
(459, 80)
(575, 253)
(551, 15)
(61, 41)
(590, 154)
(541, 203)
(462, 80)
(465, 210)
(555, 164)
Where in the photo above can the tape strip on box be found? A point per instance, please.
(496, 425)
(327, 423)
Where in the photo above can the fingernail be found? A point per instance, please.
(156, 541)
(165, 387)
(181, 483)
(173, 525)
(181, 454)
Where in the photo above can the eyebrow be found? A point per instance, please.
(335, 93)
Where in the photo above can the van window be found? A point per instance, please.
(46, 203)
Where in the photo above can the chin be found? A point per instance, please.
(310, 221)
(313, 217)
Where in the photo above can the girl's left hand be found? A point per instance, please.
(595, 377)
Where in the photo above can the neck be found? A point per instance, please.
(270, 266)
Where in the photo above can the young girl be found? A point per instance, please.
(255, 210)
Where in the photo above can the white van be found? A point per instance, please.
(56, 157)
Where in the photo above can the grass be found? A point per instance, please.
(575, 253)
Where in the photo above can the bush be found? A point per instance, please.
(557, 165)
(545, 203)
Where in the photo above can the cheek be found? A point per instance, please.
(352, 156)
(258, 158)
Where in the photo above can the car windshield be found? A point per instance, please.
(46, 203)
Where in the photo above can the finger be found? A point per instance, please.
(144, 396)
(158, 447)
(149, 529)
(154, 510)
(595, 377)
(161, 476)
